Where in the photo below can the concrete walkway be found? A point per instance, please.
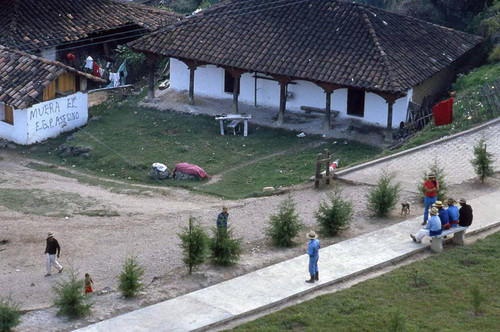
(275, 284)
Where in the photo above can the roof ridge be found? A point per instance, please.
(385, 59)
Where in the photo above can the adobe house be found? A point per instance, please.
(39, 98)
(52, 28)
(361, 61)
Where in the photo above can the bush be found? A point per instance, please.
(477, 298)
(130, 279)
(70, 299)
(483, 161)
(383, 198)
(397, 322)
(334, 214)
(9, 314)
(285, 225)
(226, 250)
(435, 169)
(194, 244)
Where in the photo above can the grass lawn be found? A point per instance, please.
(429, 295)
(125, 140)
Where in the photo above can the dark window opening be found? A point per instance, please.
(356, 102)
(229, 82)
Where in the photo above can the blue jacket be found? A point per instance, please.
(443, 215)
(313, 249)
(453, 213)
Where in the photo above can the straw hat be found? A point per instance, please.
(451, 201)
(434, 211)
(463, 200)
(432, 175)
(312, 235)
(224, 209)
(438, 204)
(50, 234)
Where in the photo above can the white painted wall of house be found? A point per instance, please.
(209, 82)
(47, 119)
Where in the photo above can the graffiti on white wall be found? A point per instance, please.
(50, 118)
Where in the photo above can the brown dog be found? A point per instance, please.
(405, 208)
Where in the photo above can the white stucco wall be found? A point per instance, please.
(47, 119)
(209, 82)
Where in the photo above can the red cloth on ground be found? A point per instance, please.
(443, 112)
(191, 169)
(96, 69)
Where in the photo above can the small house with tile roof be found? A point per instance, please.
(40, 98)
(362, 61)
(52, 28)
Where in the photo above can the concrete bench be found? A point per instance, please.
(233, 125)
(458, 238)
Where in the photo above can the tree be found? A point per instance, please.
(483, 161)
(70, 299)
(225, 249)
(334, 214)
(130, 278)
(384, 196)
(285, 225)
(194, 244)
(435, 169)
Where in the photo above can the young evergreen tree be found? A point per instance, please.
(194, 244)
(70, 299)
(130, 282)
(383, 198)
(435, 169)
(334, 214)
(9, 314)
(483, 161)
(225, 250)
(285, 225)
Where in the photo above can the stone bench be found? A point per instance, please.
(233, 125)
(458, 238)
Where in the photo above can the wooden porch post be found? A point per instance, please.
(328, 88)
(388, 133)
(191, 85)
(236, 73)
(152, 61)
(283, 82)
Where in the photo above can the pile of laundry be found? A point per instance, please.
(116, 79)
(182, 171)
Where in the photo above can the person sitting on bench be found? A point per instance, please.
(443, 215)
(465, 213)
(432, 228)
(452, 212)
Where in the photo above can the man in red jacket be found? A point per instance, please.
(431, 187)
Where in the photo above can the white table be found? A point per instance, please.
(245, 117)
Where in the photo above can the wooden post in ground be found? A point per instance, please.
(318, 171)
(327, 172)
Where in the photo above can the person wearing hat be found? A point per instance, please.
(452, 212)
(465, 213)
(222, 218)
(431, 187)
(443, 215)
(432, 228)
(52, 247)
(313, 252)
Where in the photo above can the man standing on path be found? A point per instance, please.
(313, 252)
(465, 213)
(433, 228)
(51, 249)
(222, 218)
(431, 187)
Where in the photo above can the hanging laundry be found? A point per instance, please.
(97, 69)
(115, 79)
(89, 63)
(123, 71)
(101, 72)
(443, 112)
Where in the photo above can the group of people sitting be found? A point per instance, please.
(442, 218)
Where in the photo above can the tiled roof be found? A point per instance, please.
(316, 40)
(23, 77)
(33, 24)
